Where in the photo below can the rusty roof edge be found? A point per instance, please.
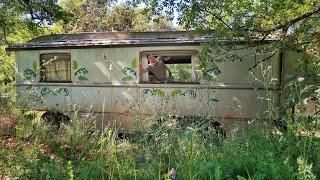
(84, 44)
(118, 35)
(120, 38)
(43, 46)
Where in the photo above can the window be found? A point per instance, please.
(55, 67)
(168, 67)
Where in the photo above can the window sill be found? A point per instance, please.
(161, 82)
(55, 81)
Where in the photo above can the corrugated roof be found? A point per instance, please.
(113, 39)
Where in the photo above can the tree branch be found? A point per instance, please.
(29, 5)
(218, 17)
(46, 10)
(5, 34)
(289, 23)
(263, 60)
(228, 50)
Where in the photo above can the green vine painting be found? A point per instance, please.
(54, 92)
(169, 95)
(191, 93)
(36, 94)
(33, 94)
(211, 74)
(29, 74)
(128, 72)
(214, 100)
(79, 73)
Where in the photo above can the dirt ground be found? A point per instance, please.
(7, 123)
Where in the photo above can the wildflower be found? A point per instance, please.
(172, 173)
(141, 160)
(300, 79)
(229, 116)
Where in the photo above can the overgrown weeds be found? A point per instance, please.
(74, 152)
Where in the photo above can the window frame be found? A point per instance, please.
(144, 77)
(53, 55)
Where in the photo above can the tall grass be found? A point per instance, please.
(76, 152)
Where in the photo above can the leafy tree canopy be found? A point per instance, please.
(19, 16)
(99, 16)
(21, 20)
(293, 22)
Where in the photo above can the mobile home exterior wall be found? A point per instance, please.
(105, 78)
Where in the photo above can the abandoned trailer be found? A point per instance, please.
(101, 73)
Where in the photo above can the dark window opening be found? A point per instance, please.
(176, 68)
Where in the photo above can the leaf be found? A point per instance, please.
(214, 100)
(205, 167)
(217, 172)
(189, 134)
(202, 127)
(74, 65)
(241, 178)
(134, 63)
(147, 91)
(82, 78)
(35, 66)
(159, 92)
(175, 92)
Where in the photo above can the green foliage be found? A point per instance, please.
(100, 16)
(6, 82)
(181, 72)
(6, 69)
(38, 11)
(78, 151)
(300, 91)
(293, 24)
(305, 170)
(20, 20)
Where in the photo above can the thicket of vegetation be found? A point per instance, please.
(77, 151)
(33, 150)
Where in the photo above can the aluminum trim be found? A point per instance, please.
(197, 86)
